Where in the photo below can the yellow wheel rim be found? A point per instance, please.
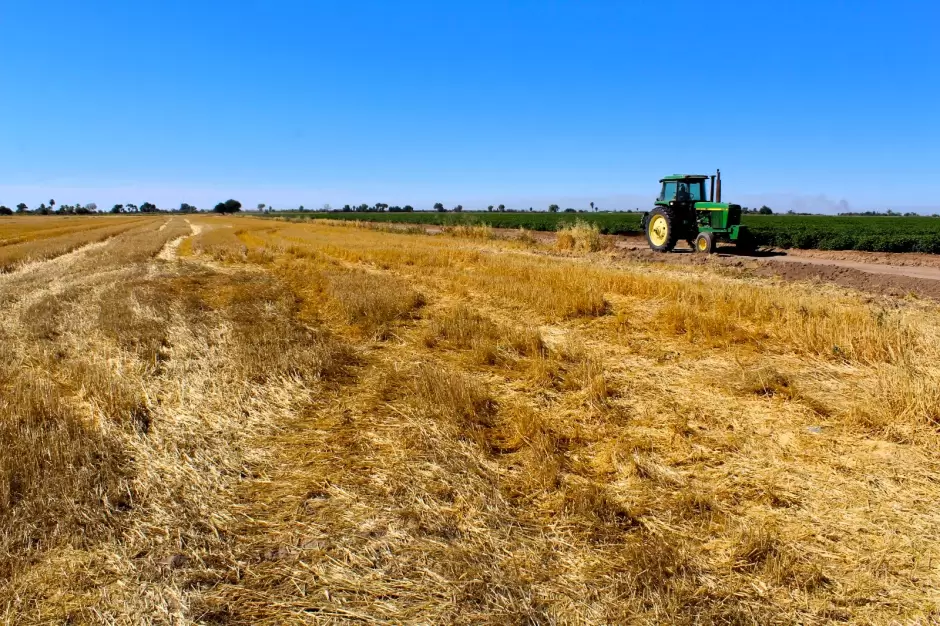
(658, 230)
(702, 244)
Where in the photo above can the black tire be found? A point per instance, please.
(745, 243)
(662, 242)
(704, 243)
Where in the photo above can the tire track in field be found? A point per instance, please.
(170, 252)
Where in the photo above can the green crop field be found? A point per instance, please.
(824, 232)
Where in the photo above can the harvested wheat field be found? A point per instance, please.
(242, 421)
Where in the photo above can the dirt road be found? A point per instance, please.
(930, 273)
(894, 280)
(877, 272)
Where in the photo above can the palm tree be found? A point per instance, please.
(592, 207)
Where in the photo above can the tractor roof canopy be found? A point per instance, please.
(683, 177)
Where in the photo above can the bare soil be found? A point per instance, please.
(904, 259)
(895, 274)
(885, 281)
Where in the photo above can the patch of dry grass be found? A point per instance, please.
(137, 315)
(587, 374)
(490, 342)
(580, 236)
(452, 395)
(17, 251)
(540, 437)
(902, 404)
(525, 237)
(112, 353)
(373, 302)
(221, 242)
(271, 341)
(383, 227)
(61, 481)
(470, 231)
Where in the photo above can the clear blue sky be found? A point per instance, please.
(480, 102)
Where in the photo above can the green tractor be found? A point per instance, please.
(682, 212)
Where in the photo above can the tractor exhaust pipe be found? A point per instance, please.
(711, 190)
(718, 182)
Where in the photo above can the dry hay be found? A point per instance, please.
(581, 236)
(299, 423)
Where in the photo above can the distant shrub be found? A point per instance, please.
(229, 206)
(472, 231)
(581, 236)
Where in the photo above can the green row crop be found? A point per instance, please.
(823, 232)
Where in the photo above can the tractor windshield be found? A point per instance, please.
(683, 191)
(690, 191)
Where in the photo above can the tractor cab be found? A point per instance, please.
(682, 190)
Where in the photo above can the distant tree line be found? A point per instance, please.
(888, 213)
(440, 207)
(50, 208)
(764, 210)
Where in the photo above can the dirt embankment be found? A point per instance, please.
(900, 259)
(892, 284)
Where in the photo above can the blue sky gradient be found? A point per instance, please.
(801, 104)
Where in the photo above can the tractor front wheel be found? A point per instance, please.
(661, 229)
(705, 243)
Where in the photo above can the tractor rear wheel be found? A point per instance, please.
(705, 243)
(661, 229)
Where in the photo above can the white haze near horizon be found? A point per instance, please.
(169, 197)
